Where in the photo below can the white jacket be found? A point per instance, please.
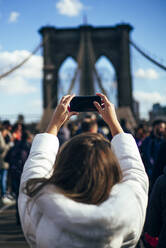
(51, 220)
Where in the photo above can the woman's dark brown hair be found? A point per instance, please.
(85, 170)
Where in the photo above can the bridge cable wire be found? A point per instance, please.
(147, 56)
(22, 62)
(93, 61)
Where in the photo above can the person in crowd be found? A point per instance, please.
(123, 123)
(140, 134)
(90, 193)
(155, 225)
(73, 128)
(8, 138)
(7, 125)
(18, 156)
(63, 134)
(20, 119)
(151, 145)
(160, 163)
(4, 166)
(91, 118)
(17, 130)
(89, 125)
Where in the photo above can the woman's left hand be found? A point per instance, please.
(61, 115)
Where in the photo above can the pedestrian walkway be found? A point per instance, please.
(11, 235)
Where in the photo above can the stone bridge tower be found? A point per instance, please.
(85, 44)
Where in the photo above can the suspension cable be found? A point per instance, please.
(22, 62)
(147, 56)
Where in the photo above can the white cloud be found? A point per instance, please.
(69, 7)
(147, 99)
(14, 16)
(36, 103)
(146, 74)
(31, 69)
(19, 81)
(35, 108)
(16, 85)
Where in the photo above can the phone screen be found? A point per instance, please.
(84, 103)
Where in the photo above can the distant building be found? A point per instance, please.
(157, 112)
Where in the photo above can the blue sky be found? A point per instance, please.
(19, 24)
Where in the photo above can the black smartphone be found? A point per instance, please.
(84, 103)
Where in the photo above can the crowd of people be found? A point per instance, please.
(15, 145)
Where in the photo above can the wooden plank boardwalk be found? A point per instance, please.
(11, 235)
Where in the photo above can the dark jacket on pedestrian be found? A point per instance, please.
(155, 224)
(16, 157)
(149, 152)
(160, 163)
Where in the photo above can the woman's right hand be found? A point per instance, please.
(107, 111)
